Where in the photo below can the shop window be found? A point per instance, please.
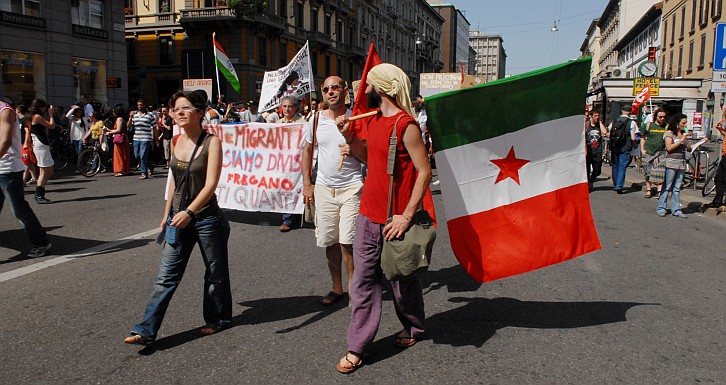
(25, 7)
(23, 76)
(88, 13)
(166, 50)
(89, 78)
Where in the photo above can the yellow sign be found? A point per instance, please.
(640, 83)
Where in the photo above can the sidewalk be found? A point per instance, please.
(692, 200)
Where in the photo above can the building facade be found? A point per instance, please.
(57, 50)
(641, 43)
(619, 17)
(454, 37)
(491, 58)
(171, 40)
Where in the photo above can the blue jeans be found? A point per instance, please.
(77, 146)
(141, 151)
(287, 219)
(11, 189)
(212, 234)
(619, 162)
(672, 184)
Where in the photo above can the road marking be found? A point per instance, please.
(70, 257)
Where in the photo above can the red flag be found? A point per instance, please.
(640, 98)
(361, 102)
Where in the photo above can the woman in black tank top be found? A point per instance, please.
(38, 124)
(191, 216)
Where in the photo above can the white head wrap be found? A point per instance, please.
(392, 81)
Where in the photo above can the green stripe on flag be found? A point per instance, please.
(507, 105)
(231, 78)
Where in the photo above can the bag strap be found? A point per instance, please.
(315, 136)
(392, 142)
(185, 178)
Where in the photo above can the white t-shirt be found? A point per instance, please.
(329, 138)
(11, 161)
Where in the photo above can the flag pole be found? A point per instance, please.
(216, 69)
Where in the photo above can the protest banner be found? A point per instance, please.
(295, 79)
(198, 84)
(436, 83)
(261, 167)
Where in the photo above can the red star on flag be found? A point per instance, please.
(509, 166)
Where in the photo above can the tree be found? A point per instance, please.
(247, 7)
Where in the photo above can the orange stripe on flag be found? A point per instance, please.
(526, 235)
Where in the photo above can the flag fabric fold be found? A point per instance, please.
(511, 160)
(360, 105)
(224, 65)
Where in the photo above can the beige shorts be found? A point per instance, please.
(336, 210)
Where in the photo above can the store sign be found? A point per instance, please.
(82, 30)
(113, 82)
(718, 83)
(20, 19)
(652, 83)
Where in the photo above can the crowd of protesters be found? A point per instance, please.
(658, 147)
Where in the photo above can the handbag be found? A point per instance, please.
(118, 138)
(27, 154)
(409, 255)
(309, 211)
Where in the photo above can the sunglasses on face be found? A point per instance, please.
(334, 87)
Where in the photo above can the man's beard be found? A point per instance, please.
(374, 100)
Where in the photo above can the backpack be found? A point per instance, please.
(619, 133)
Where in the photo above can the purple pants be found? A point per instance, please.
(366, 290)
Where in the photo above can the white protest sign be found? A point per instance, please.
(295, 79)
(198, 84)
(436, 83)
(261, 167)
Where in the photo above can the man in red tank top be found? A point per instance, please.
(388, 87)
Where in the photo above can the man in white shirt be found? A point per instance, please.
(337, 190)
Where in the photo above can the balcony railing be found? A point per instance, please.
(206, 14)
(152, 18)
(319, 37)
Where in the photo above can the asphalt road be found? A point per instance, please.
(646, 309)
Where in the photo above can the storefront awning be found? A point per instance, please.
(670, 89)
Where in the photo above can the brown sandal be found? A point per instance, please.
(208, 330)
(138, 339)
(353, 366)
(402, 341)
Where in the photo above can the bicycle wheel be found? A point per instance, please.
(709, 185)
(89, 162)
(61, 156)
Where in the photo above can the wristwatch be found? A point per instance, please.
(190, 213)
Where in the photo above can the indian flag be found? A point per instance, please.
(224, 65)
(510, 156)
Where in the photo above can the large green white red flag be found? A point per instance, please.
(224, 65)
(510, 156)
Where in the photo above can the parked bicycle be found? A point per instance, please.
(92, 159)
(61, 149)
(698, 167)
(709, 184)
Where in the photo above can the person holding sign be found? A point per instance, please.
(191, 216)
(337, 191)
(290, 107)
